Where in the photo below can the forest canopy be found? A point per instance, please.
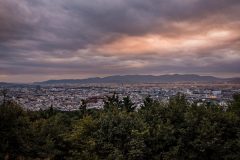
(176, 130)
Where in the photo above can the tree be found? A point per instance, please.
(47, 136)
(148, 102)
(112, 103)
(121, 134)
(83, 107)
(4, 94)
(128, 105)
(13, 131)
(235, 105)
(81, 140)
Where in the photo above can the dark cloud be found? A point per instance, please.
(68, 37)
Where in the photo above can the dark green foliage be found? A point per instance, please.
(14, 126)
(83, 107)
(128, 105)
(4, 94)
(235, 106)
(112, 103)
(158, 131)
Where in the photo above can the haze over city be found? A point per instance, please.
(59, 39)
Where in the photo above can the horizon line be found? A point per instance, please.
(155, 75)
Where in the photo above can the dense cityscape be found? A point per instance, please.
(69, 97)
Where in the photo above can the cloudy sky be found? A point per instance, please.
(58, 39)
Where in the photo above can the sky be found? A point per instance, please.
(65, 39)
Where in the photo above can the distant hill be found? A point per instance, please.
(9, 85)
(233, 80)
(143, 79)
(4, 84)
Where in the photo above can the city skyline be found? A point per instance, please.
(60, 39)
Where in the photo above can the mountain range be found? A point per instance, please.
(143, 79)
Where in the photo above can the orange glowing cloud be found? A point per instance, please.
(158, 44)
